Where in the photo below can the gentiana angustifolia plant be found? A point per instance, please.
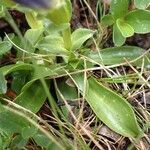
(126, 22)
(50, 37)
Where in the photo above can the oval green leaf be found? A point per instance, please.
(124, 28)
(117, 55)
(141, 4)
(53, 44)
(118, 38)
(32, 20)
(139, 20)
(107, 20)
(112, 109)
(61, 14)
(33, 35)
(33, 97)
(79, 36)
(119, 8)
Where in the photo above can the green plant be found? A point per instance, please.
(126, 23)
(50, 37)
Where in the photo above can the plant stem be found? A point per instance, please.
(67, 38)
(52, 103)
(12, 23)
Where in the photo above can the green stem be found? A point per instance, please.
(67, 38)
(50, 98)
(12, 23)
(52, 103)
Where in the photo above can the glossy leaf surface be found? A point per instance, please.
(107, 20)
(61, 14)
(79, 36)
(119, 8)
(33, 97)
(125, 29)
(5, 46)
(116, 55)
(32, 20)
(112, 109)
(33, 35)
(118, 38)
(141, 4)
(53, 44)
(139, 20)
